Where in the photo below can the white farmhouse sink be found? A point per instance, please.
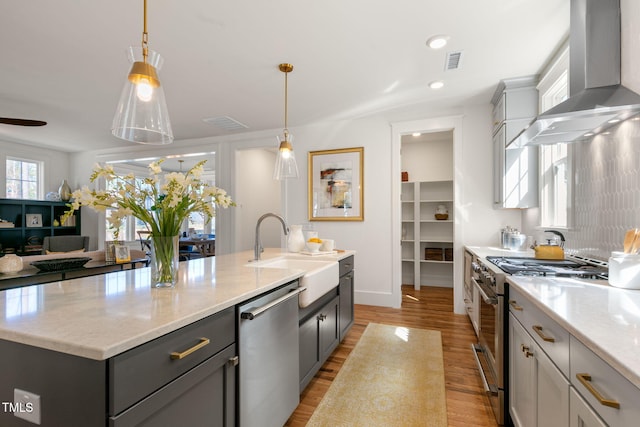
(320, 275)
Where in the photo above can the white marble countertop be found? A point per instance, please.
(605, 318)
(98, 317)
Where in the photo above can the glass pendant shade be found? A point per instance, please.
(286, 166)
(142, 115)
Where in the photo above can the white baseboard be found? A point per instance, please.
(382, 299)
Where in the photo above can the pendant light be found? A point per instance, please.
(286, 166)
(141, 115)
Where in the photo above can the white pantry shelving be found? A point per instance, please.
(421, 231)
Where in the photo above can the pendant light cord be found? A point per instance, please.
(286, 97)
(145, 35)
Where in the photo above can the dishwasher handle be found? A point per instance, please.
(253, 313)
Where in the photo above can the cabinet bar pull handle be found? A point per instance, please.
(515, 305)
(177, 356)
(545, 337)
(585, 379)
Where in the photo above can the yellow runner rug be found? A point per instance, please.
(393, 377)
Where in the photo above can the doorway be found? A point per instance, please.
(427, 206)
(453, 126)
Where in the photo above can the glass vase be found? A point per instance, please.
(164, 261)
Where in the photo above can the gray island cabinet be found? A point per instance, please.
(325, 322)
(110, 351)
(168, 381)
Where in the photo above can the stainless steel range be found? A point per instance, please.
(549, 267)
(490, 283)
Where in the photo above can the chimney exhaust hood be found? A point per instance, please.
(596, 100)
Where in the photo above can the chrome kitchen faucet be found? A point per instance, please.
(258, 249)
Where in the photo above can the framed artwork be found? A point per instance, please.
(122, 253)
(336, 185)
(33, 220)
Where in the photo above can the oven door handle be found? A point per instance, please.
(488, 388)
(485, 383)
(486, 298)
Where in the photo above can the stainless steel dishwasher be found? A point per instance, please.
(269, 362)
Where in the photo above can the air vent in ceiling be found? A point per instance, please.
(226, 123)
(453, 61)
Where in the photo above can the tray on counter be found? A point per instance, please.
(59, 264)
(318, 253)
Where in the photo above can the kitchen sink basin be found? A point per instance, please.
(320, 275)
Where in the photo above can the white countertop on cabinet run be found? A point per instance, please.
(98, 317)
(606, 319)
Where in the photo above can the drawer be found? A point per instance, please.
(202, 396)
(605, 383)
(139, 372)
(346, 265)
(548, 334)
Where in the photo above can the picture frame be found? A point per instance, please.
(336, 185)
(33, 220)
(110, 250)
(122, 254)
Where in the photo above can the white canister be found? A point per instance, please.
(624, 270)
(295, 241)
(10, 263)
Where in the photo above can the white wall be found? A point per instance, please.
(256, 195)
(481, 222)
(428, 159)
(56, 165)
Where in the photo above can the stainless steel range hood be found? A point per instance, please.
(596, 100)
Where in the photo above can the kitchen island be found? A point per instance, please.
(72, 331)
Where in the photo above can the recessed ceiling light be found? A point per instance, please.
(416, 134)
(589, 134)
(437, 42)
(612, 121)
(436, 85)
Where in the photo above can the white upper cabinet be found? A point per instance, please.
(515, 169)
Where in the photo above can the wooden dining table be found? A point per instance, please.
(206, 246)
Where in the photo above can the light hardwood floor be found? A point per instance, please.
(427, 308)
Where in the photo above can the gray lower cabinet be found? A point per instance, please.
(319, 335)
(204, 396)
(184, 378)
(325, 322)
(187, 377)
(345, 291)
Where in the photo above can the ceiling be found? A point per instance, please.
(64, 61)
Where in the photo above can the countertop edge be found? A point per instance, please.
(105, 349)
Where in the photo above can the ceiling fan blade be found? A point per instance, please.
(21, 122)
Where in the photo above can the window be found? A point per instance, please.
(23, 179)
(128, 231)
(130, 227)
(555, 164)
